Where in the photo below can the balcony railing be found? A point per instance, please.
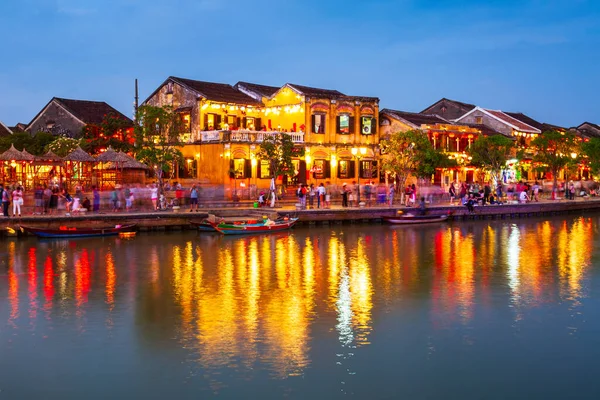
(241, 136)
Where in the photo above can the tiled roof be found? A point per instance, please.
(415, 118)
(317, 92)
(4, 130)
(20, 127)
(590, 124)
(466, 106)
(524, 118)
(220, 92)
(486, 130)
(264, 90)
(521, 126)
(90, 112)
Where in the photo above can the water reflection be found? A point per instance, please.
(262, 303)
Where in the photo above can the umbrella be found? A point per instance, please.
(13, 154)
(79, 155)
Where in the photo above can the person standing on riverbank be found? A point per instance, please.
(17, 200)
(311, 195)
(5, 200)
(344, 195)
(452, 193)
(53, 205)
(194, 199)
(391, 195)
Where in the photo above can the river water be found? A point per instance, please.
(483, 309)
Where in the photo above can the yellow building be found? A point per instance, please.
(226, 125)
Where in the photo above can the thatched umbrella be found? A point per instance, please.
(14, 158)
(47, 164)
(113, 157)
(79, 163)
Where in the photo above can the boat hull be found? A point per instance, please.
(247, 229)
(415, 219)
(78, 232)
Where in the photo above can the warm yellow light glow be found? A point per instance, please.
(573, 155)
(204, 106)
(333, 160)
(253, 161)
(308, 159)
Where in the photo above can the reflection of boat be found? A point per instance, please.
(415, 219)
(72, 232)
(260, 227)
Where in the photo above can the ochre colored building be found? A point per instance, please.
(226, 125)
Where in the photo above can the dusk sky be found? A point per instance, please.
(537, 57)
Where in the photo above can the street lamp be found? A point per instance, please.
(358, 153)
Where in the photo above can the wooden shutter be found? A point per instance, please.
(352, 122)
(351, 169)
(205, 122)
(238, 122)
(312, 124)
(247, 169)
(257, 125)
(327, 170)
(217, 121)
(337, 124)
(360, 169)
(302, 172)
(373, 169)
(373, 125)
(231, 168)
(244, 122)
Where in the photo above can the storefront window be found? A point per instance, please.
(319, 169)
(264, 169)
(318, 123)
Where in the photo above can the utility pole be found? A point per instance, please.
(135, 103)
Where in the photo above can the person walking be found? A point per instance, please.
(311, 195)
(536, 190)
(391, 195)
(344, 195)
(17, 200)
(53, 205)
(154, 196)
(114, 199)
(5, 201)
(96, 198)
(46, 195)
(321, 195)
(327, 196)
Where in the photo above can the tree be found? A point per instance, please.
(157, 138)
(490, 153)
(62, 146)
(591, 149)
(112, 132)
(279, 150)
(410, 152)
(555, 151)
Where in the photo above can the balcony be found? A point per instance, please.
(242, 136)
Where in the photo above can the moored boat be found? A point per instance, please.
(73, 232)
(415, 219)
(249, 228)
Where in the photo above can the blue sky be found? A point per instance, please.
(538, 57)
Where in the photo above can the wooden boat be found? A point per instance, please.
(72, 232)
(203, 226)
(415, 219)
(249, 228)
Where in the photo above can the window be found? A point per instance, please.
(233, 122)
(479, 120)
(346, 169)
(321, 169)
(212, 122)
(318, 123)
(345, 124)
(185, 122)
(367, 125)
(240, 168)
(251, 123)
(188, 169)
(264, 171)
(368, 169)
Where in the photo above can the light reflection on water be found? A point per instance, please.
(310, 311)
